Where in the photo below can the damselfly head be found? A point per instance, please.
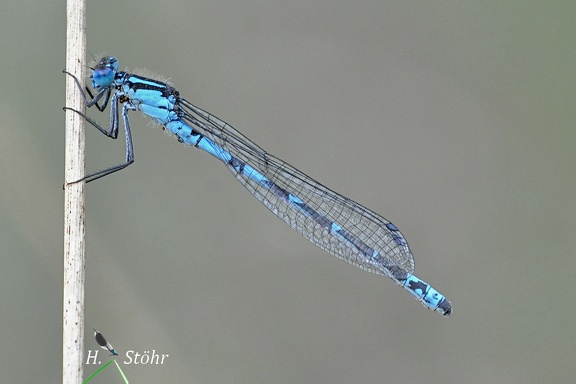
(104, 72)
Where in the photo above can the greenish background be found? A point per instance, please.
(453, 119)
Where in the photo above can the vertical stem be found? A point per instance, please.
(74, 219)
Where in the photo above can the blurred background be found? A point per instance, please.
(454, 121)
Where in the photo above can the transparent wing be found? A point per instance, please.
(333, 222)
